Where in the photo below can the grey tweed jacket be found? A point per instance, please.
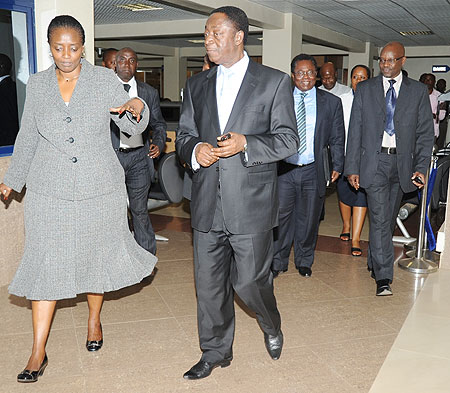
(66, 151)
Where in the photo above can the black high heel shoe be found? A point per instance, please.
(27, 376)
(92, 345)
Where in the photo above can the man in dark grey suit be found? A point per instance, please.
(237, 120)
(136, 153)
(301, 181)
(389, 145)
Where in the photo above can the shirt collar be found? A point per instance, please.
(132, 82)
(238, 68)
(398, 79)
(309, 93)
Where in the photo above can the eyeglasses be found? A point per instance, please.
(389, 61)
(309, 74)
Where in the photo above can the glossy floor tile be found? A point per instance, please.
(337, 333)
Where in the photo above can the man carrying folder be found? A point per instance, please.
(302, 178)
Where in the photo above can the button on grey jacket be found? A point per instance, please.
(66, 151)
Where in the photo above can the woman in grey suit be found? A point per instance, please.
(77, 238)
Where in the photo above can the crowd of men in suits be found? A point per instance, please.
(254, 141)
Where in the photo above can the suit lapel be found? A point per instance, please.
(209, 88)
(379, 93)
(247, 87)
(54, 95)
(402, 99)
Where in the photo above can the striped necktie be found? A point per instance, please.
(301, 123)
(391, 99)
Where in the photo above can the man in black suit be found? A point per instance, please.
(9, 126)
(301, 180)
(389, 145)
(237, 121)
(136, 153)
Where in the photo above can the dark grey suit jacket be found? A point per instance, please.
(264, 113)
(155, 132)
(329, 130)
(413, 122)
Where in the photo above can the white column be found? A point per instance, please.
(282, 45)
(175, 72)
(365, 58)
(46, 10)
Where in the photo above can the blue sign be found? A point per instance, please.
(440, 68)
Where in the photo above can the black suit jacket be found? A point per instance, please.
(264, 113)
(414, 131)
(155, 132)
(329, 131)
(9, 125)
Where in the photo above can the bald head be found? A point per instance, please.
(126, 64)
(392, 58)
(328, 75)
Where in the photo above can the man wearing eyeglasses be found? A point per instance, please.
(389, 145)
(301, 180)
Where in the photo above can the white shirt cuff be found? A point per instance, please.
(194, 164)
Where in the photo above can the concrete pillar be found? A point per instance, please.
(365, 58)
(46, 10)
(175, 73)
(282, 45)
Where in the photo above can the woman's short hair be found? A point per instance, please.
(360, 66)
(65, 21)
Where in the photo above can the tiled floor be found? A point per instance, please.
(337, 333)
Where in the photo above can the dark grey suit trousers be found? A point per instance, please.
(138, 180)
(384, 197)
(226, 263)
(300, 210)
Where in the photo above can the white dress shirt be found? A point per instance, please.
(347, 103)
(228, 83)
(438, 114)
(389, 140)
(338, 89)
(133, 140)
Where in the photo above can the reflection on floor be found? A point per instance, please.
(337, 333)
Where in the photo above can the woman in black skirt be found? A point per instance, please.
(352, 203)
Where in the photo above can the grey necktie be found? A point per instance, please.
(127, 87)
(301, 123)
(391, 99)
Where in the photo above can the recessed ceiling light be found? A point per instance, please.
(196, 41)
(138, 7)
(408, 33)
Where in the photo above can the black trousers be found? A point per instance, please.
(384, 197)
(299, 218)
(226, 263)
(138, 180)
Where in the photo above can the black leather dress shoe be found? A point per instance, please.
(93, 346)
(274, 345)
(276, 273)
(27, 376)
(305, 271)
(203, 369)
(383, 288)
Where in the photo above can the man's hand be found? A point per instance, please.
(204, 155)
(420, 176)
(354, 181)
(334, 176)
(153, 152)
(229, 147)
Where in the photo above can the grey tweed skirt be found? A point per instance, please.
(74, 247)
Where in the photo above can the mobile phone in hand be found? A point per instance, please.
(225, 137)
(417, 179)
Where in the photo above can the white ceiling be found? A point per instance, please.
(377, 21)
